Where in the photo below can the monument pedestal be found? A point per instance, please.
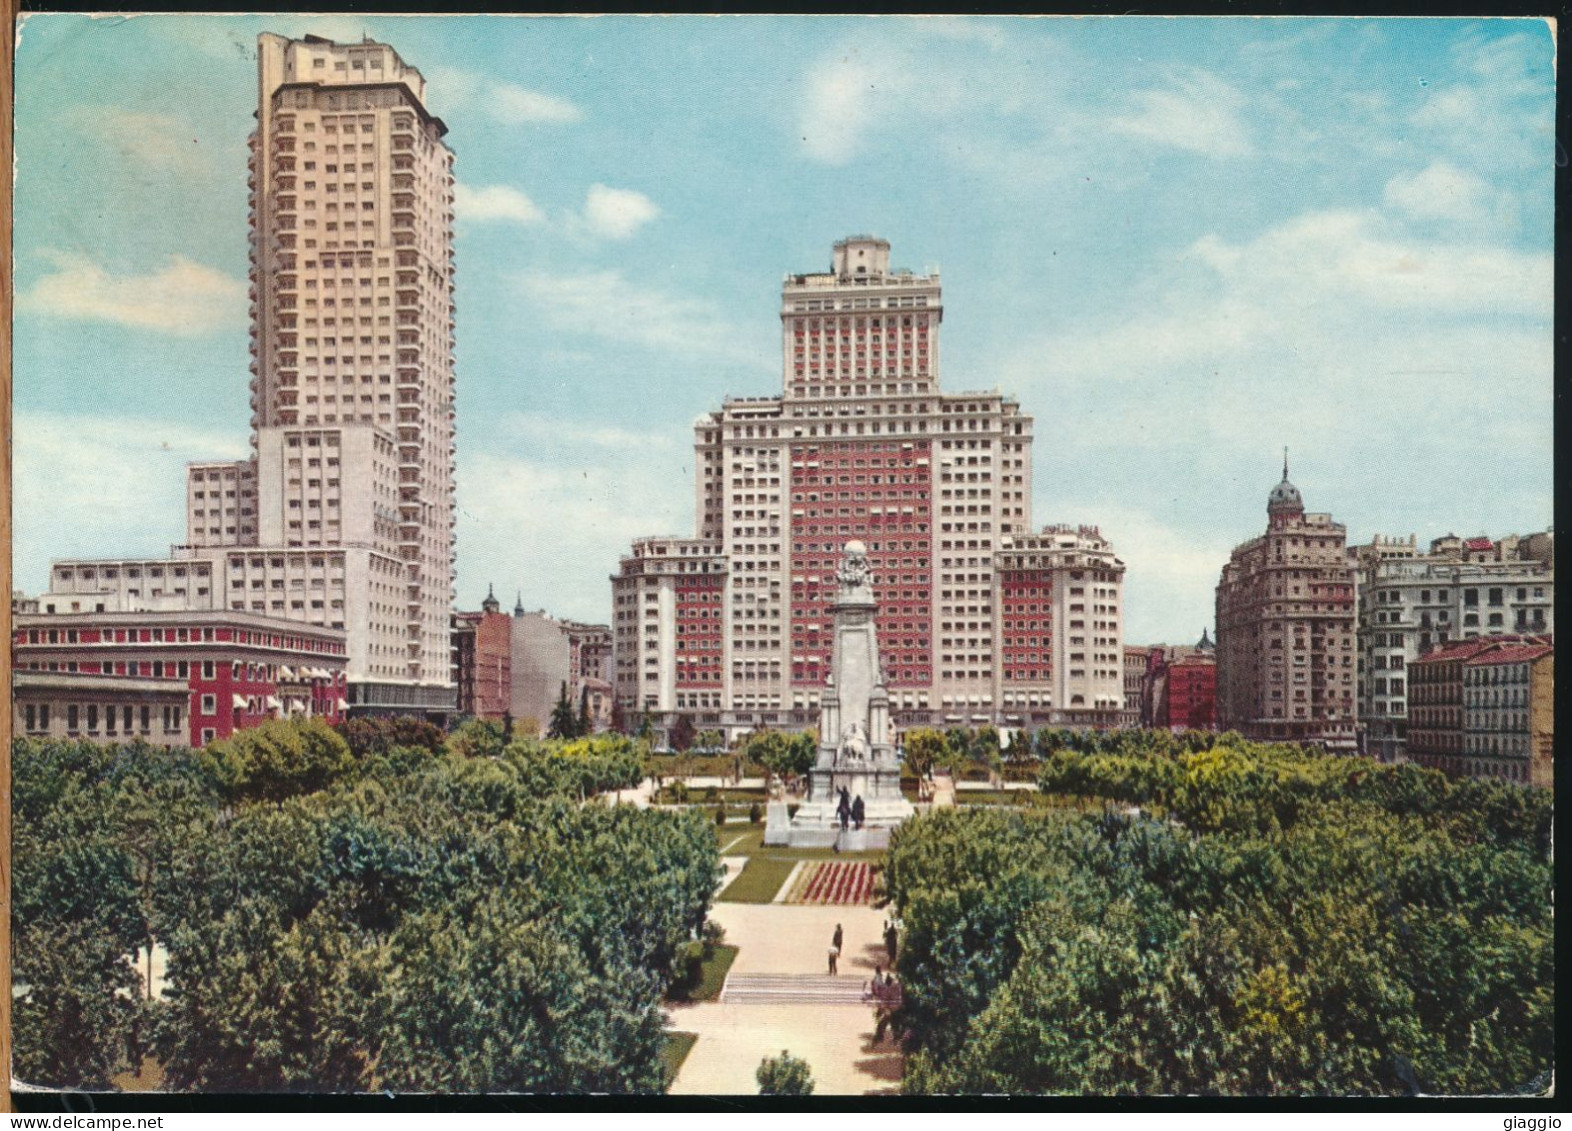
(777, 821)
(857, 778)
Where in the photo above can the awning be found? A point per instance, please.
(285, 672)
(273, 703)
(342, 705)
(240, 703)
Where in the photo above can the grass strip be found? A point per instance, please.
(712, 976)
(674, 1051)
(761, 878)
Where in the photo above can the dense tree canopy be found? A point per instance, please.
(1287, 923)
(406, 920)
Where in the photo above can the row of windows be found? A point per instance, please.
(131, 719)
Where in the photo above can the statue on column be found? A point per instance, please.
(855, 575)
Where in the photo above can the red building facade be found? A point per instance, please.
(879, 492)
(1191, 694)
(239, 669)
(699, 613)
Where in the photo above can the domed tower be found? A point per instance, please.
(1284, 502)
(490, 604)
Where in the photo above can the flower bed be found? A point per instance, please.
(838, 882)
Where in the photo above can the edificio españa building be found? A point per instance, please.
(980, 619)
(343, 514)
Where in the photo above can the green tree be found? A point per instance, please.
(78, 1002)
(784, 1075)
(280, 759)
(924, 749)
(383, 734)
(586, 724)
(785, 756)
(476, 738)
(564, 723)
(1307, 925)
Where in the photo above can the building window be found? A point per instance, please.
(209, 704)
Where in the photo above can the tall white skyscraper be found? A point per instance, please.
(352, 352)
(343, 514)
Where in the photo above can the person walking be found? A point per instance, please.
(839, 936)
(891, 937)
(835, 953)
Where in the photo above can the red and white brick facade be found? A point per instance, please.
(861, 444)
(238, 670)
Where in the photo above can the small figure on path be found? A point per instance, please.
(843, 808)
(838, 937)
(891, 937)
(835, 952)
(858, 811)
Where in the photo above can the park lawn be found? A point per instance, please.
(712, 976)
(761, 878)
(674, 1051)
(734, 840)
(1020, 797)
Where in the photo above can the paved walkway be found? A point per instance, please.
(638, 796)
(836, 1041)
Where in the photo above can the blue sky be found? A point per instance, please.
(1181, 244)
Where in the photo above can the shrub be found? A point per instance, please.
(720, 813)
(754, 813)
(784, 1075)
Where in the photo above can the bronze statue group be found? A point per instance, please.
(849, 812)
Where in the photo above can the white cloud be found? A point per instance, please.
(1370, 352)
(515, 105)
(1348, 256)
(182, 298)
(843, 96)
(1198, 114)
(1441, 191)
(451, 88)
(1170, 572)
(88, 485)
(155, 141)
(616, 214)
(495, 202)
(606, 305)
(556, 532)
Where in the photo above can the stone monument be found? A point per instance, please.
(857, 766)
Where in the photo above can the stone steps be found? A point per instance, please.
(794, 989)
